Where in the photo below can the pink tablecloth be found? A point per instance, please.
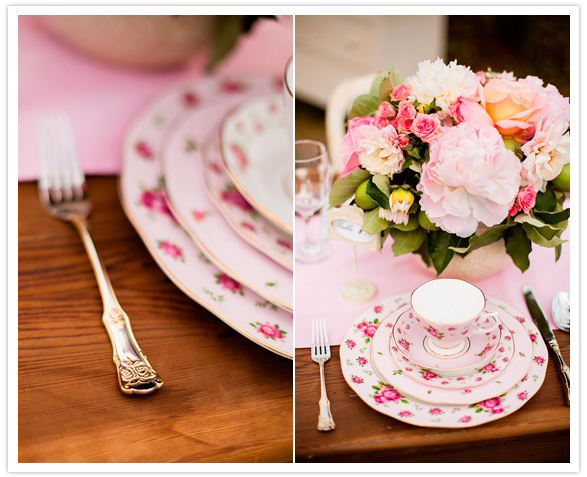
(318, 285)
(101, 100)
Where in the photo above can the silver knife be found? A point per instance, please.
(540, 321)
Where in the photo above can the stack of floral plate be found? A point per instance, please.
(385, 360)
(205, 182)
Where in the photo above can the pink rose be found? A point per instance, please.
(502, 349)
(233, 197)
(394, 349)
(444, 383)
(467, 391)
(426, 126)
(351, 344)
(198, 215)
(362, 361)
(527, 198)
(229, 283)
(404, 125)
(400, 92)
(284, 244)
(436, 411)
(378, 399)
(270, 331)
(471, 178)
(378, 309)
(490, 403)
(246, 225)
(408, 369)
(405, 414)
(357, 380)
(433, 332)
(370, 330)
(404, 344)
(465, 419)
(362, 325)
(190, 99)
(522, 396)
(350, 144)
(478, 379)
(406, 110)
(171, 249)
(155, 200)
(385, 110)
(428, 375)
(460, 378)
(532, 337)
(240, 156)
(505, 360)
(490, 368)
(144, 150)
(539, 360)
(508, 338)
(497, 410)
(403, 140)
(390, 394)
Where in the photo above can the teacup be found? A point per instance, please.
(449, 311)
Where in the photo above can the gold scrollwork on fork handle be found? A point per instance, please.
(135, 374)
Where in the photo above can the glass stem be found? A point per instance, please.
(308, 240)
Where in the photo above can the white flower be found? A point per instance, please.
(400, 202)
(378, 149)
(443, 82)
(546, 153)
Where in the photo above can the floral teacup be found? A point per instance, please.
(449, 311)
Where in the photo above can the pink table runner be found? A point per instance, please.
(318, 285)
(101, 100)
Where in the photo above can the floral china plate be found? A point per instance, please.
(409, 339)
(143, 199)
(482, 373)
(358, 371)
(244, 219)
(257, 153)
(181, 165)
(387, 367)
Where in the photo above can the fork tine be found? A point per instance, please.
(326, 342)
(72, 164)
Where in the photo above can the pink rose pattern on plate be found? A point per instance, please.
(269, 331)
(368, 328)
(171, 250)
(389, 401)
(229, 283)
(155, 200)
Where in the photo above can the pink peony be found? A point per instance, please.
(471, 178)
(229, 283)
(385, 110)
(426, 126)
(400, 92)
(270, 331)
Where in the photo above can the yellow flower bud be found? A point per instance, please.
(422, 106)
(400, 202)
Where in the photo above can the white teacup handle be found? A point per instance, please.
(493, 314)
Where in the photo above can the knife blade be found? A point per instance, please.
(541, 322)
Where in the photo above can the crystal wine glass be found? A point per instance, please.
(312, 185)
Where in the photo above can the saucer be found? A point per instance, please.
(390, 372)
(488, 405)
(410, 340)
(480, 374)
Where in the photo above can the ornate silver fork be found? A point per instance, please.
(321, 354)
(62, 190)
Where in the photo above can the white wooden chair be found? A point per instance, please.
(337, 109)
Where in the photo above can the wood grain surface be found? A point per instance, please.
(538, 432)
(225, 399)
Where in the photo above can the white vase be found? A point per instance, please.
(476, 265)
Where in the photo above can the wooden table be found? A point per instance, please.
(225, 399)
(539, 432)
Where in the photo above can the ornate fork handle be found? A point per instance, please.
(325, 421)
(135, 374)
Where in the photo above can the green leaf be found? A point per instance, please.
(385, 89)
(424, 254)
(439, 249)
(406, 242)
(396, 78)
(545, 201)
(382, 182)
(375, 193)
(558, 250)
(364, 105)
(518, 246)
(372, 223)
(534, 221)
(486, 238)
(375, 85)
(405, 401)
(536, 236)
(345, 187)
(552, 218)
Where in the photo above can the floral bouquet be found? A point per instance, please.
(450, 160)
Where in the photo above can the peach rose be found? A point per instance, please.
(513, 106)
